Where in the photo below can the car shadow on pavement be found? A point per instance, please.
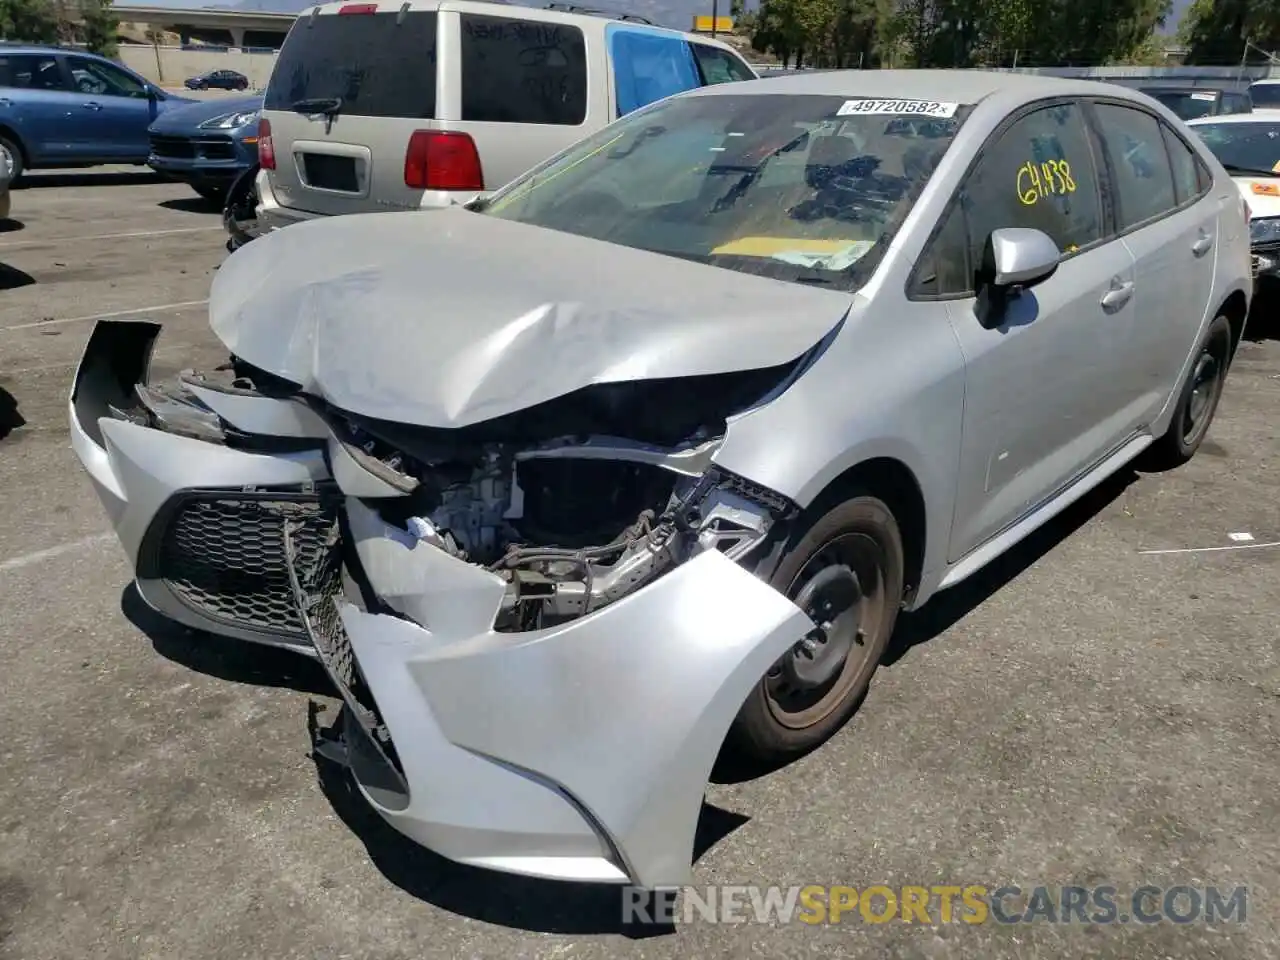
(10, 418)
(508, 900)
(40, 180)
(224, 658)
(11, 278)
(11, 226)
(192, 205)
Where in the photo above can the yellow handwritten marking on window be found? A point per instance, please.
(768, 246)
(1036, 181)
(1266, 189)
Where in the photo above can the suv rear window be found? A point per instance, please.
(376, 66)
(522, 71)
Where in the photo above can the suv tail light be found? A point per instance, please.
(266, 149)
(442, 160)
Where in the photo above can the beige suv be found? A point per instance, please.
(395, 106)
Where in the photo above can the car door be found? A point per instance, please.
(1041, 395)
(37, 104)
(1168, 222)
(648, 65)
(116, 109)
(717, 65)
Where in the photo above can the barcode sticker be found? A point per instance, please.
(916, 108)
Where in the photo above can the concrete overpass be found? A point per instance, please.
(243, 27)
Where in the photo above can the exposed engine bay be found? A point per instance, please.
(574, 503)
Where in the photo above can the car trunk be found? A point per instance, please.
(343, 84)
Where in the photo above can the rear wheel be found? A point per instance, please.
(1197, 401)
(846, 572)
(11, 160)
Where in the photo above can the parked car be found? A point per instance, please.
(67, 108)
(375, 107)
(1191, 102)
(218, 80)
(640, 457)
(1249, 148)
(207, 144)
(1265, 94)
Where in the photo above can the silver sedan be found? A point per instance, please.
(638, 460)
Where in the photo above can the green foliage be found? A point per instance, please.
(29, 21)
(1215, 31)
(99, 26)
(959, 33)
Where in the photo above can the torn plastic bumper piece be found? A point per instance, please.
(580, 751)
(200, 522)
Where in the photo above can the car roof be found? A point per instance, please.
(8, 46)
(1268, 82)
(1259, 115)
(952, 86)
(559, 12)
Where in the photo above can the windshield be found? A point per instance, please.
(1253, 146)
(1187, 104)
(792, 187)
(1265, 94)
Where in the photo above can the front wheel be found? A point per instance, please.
(846, 571)
(1197, 401)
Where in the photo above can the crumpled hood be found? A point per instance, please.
(446, 318)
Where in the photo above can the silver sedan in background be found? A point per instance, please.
(638, 460)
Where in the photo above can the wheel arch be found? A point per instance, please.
(12, 136)
(1236, 309)
(888, 479)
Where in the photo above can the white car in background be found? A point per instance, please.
(1248, 146)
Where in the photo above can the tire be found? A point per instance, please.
(13, 152)
(1197, 401)
(805, 697)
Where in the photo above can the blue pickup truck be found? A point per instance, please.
(63, 107)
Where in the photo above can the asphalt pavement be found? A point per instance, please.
(1102, 707)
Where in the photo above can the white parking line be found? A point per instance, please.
(33, 241)
(158, 308)
(1239, 546)
(27, 559)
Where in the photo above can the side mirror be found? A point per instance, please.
(1013, 258)
(154, 92)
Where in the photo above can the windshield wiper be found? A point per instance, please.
(323, 106)
(1249, 171)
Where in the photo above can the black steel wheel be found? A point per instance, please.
(846, 572)
(1197, 400)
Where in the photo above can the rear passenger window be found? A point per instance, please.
(1039, 174)
(523, 71)
(374, 64)
(30, 71)
(1186, 175)
(1139, 163)
(719, 66)
(648, 66)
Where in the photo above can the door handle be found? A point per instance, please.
(1203, 245)
(92, 106)
(1118, 295)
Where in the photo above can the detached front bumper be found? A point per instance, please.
(201, 524)
(579, 751)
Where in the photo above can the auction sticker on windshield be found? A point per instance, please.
(918, 108)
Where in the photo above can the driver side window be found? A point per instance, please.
(1040, 173)
(103, 80)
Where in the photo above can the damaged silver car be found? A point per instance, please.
(639, 459)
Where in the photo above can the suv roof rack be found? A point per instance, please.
(596, 12)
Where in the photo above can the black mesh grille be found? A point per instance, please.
(317, 585)
(223, 555)
(177, 147)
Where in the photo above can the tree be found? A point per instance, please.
(1216, 31)
(28, 21)
(99, 26)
